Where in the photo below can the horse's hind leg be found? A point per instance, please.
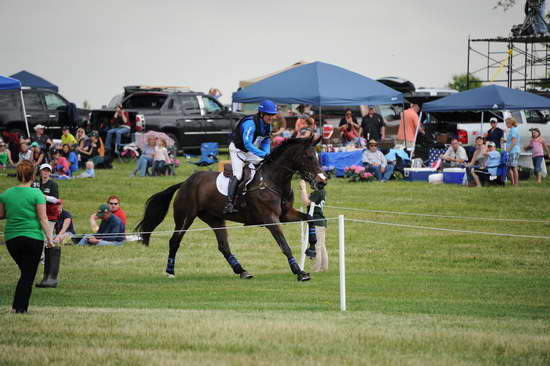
(182, 220)
(218, 225)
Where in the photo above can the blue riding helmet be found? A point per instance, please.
(267, 107)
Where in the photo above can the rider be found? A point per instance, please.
(250, 143)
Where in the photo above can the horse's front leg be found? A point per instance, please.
(281, 241)
(292, 215)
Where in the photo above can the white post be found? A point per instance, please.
(342, 260)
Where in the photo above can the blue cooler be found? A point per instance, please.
(418, 174)
(454, 175)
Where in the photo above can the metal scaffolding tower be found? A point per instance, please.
(517, 62)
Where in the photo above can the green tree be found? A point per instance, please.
(459, 82)
(86, 104)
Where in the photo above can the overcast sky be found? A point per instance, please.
(91, 49)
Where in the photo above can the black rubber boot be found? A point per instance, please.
(51, 267)
(231, 190)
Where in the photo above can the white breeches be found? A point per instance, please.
(239, 158)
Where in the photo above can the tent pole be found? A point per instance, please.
(415, 134)
(481, 127)
(25, 114)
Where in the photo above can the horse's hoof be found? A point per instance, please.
(245, 275)
(170, 275)
(303, 277)
(310, 253)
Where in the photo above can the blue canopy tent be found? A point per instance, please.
(33, 81)
(13, 84)
(318, 83)
(487, 98)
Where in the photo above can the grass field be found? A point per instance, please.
(415, 297)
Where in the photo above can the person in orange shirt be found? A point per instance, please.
(408, 125)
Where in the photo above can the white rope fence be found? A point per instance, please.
(439, 216)
(449, 230)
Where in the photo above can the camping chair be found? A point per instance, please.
(502, 171)
(209, 154)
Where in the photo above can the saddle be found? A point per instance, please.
(241, 188)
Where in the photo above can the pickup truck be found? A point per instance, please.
(43, 106)
(189, 118)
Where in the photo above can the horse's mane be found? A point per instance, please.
(282, 148)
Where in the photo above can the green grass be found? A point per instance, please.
(415, 297)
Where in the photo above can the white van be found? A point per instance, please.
(467, 132)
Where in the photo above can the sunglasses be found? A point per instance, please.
(113, 203)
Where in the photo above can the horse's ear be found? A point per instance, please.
(316, 141)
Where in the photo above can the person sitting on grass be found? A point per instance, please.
(68, 153)
(64, 226)
(60, 165)
(90, 172)
(5, 156)
(24, 152)
(37, 155)
(114, 205)
(375, 162)
(109, 233)
(67, 137)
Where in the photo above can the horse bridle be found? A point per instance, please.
(307, 176)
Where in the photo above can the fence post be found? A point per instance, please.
(342, 261)
(303, 239)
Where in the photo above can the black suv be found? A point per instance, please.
(43, 106)
(190, 118)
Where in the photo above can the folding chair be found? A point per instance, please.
(209, 154)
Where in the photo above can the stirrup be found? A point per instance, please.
(229, 208)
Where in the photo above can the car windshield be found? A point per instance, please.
(145, 101)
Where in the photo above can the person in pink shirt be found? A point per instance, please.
(537, 146)
(408, 126)
(61, 166)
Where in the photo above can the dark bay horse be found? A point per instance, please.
(268, 201)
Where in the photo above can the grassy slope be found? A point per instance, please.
(415, 296)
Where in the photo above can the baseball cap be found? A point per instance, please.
(35, 144)
(39, 126)
(93, 133)
(493, 119)
(46, 166)
(491, 143)
(103, 208)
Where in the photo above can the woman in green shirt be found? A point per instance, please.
(5, 156)
(24, 208)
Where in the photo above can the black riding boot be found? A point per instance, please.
(51, 267)
(231, 190)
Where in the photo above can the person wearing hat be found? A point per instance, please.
(93, 150)
(67, 137)
(109, 233)
(249, 143)
(5, 156)
(494, 134)
(376, 162)
(52, 256)
(492, 163)
(37, 155)
(38, 136)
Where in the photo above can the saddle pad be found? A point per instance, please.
(222, 182)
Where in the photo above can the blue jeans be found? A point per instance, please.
(142, 164)
(119, 132)
(104, 243)
(378, 173)
(158, 166)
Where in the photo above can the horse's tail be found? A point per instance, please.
(156, 208)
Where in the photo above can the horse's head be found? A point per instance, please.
(299, 156)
